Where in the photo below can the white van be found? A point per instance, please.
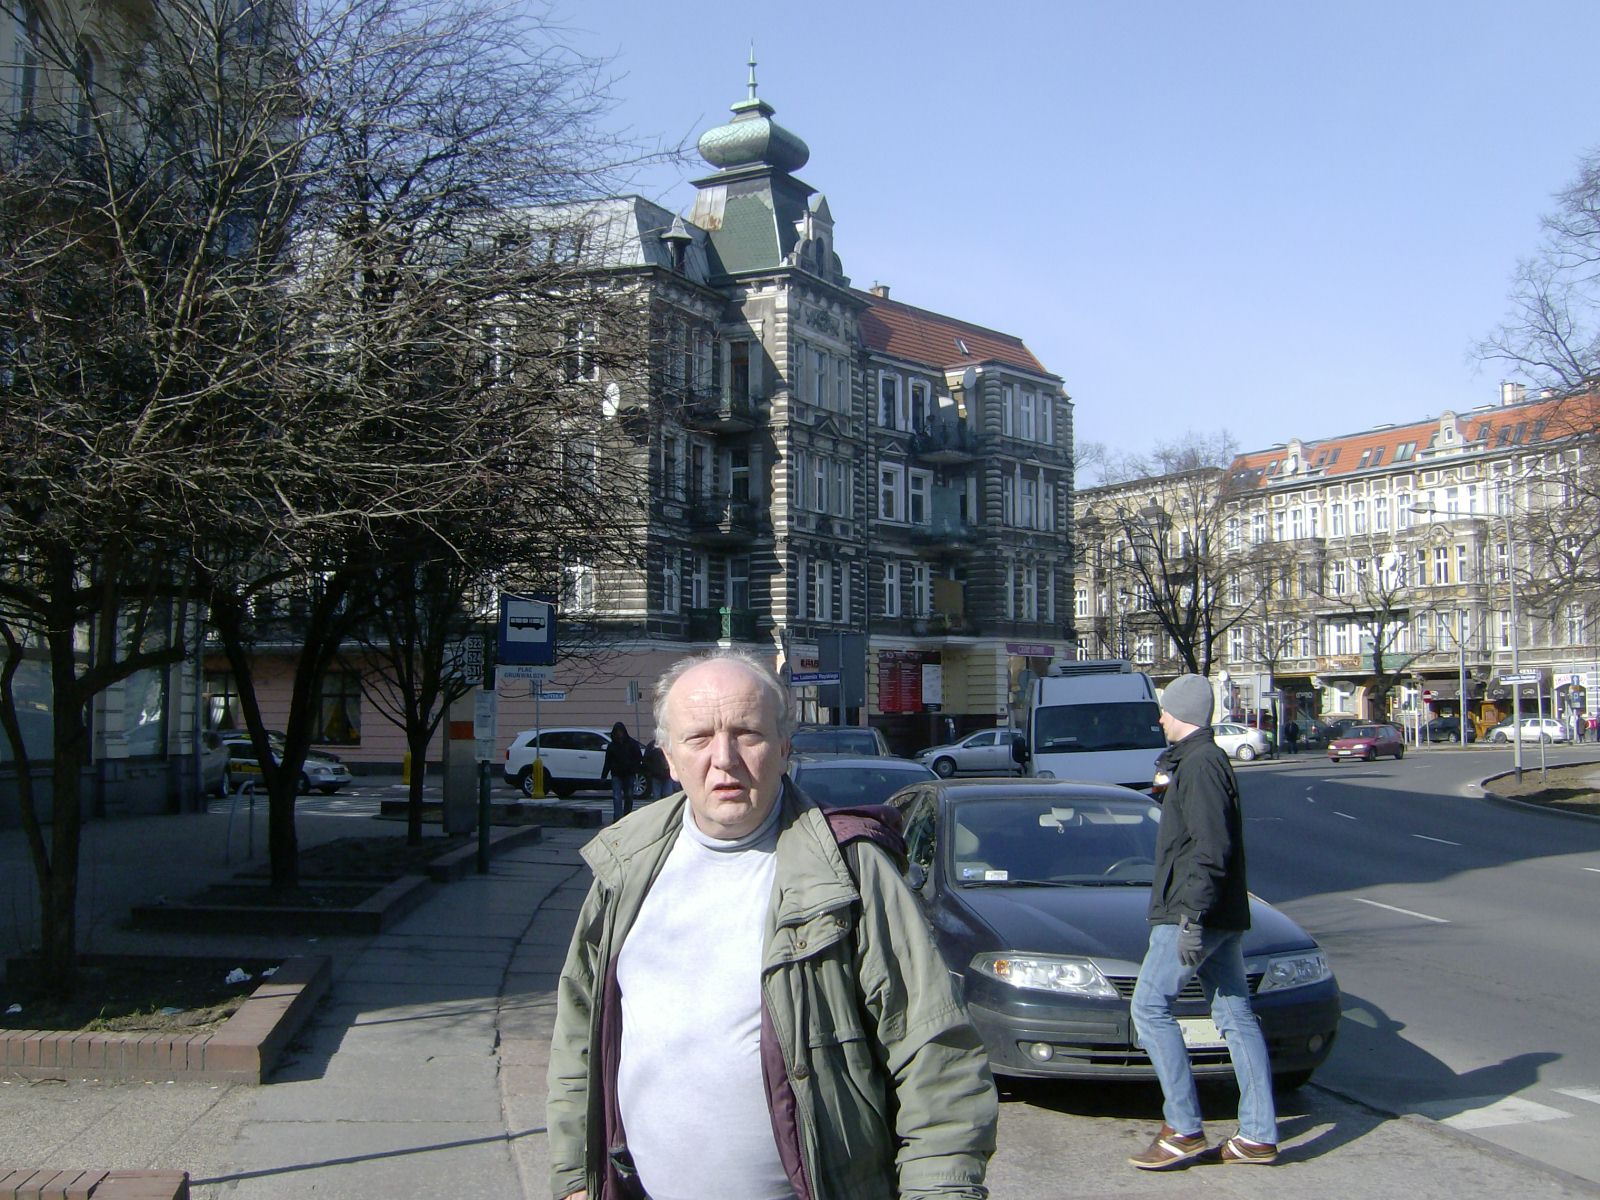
(1096, 721)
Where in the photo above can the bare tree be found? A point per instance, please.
(1167, 522)
(272, 296)
(1376, 591)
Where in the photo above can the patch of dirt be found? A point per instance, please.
(134, 995)
(385, 857)
(1571, 788)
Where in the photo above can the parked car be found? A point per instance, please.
(1314, 732)
(214, 758)
(987, 752)
(1447, 729)
(322, 770)
(1339, 724)
(1534, 729)
(838, 739)
(573, 759)
(843, 781)
(1240, 741)
(1367, 742)
(1037, 891)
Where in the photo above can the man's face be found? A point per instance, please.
(724, 748)
(1173, 728)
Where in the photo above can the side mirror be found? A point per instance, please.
(916, 876)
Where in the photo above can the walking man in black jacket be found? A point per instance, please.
(1199, 910)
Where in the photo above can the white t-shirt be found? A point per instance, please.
(689, 1083)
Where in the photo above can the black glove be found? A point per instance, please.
(1190, 951)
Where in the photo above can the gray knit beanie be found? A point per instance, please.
(1188, 697)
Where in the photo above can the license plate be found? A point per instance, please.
(1201, 1033)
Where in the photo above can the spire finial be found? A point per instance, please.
(752, 69)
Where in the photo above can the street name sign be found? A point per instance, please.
(804, 678)
(1526, 679)
(552, 695)
(525, 671)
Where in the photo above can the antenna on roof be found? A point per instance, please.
(752, 68)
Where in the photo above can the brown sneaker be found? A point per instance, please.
(1170, 1149)
(1241, 1150)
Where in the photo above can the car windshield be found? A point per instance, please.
(845, 785)
(842, 740)
(1361, 731)
(1085, 728)
(1052, 840)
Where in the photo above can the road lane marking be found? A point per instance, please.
(1596, 870)
(1486, 1112)
(1346, 816)
(1592, 1095)
(1404, 911)
(1441, 841)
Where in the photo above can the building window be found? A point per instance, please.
(1502, 563)
(1080, 603)
(222, 702)
(1461, 565)
(1358, 516)
(921, 589)
(1258, 528)
(1441, 564)
(842, 488)
(1144, 648)
(672, 584)
(1338, 576)
(1025, 412)
(1030, 594)
(891, 588)
(1380, 514)
(580, 587)
(1277, 526)
(579, 362)
(1047, 433)
(339, 709)
(1297, 523)
(891, 485)
(888, 399)
(819, 483)
(699, 581)
(1008, 404)
(802, 598)
(921, 410)
(918, 484)
(822, 591)
(1574, 625)
(1236, 645)
(1230, 537)
(1028, 517)
(738, 580)
(741, 376)
(1336, 519)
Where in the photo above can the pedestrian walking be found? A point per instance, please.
(1291, 736)
(813, 1043)
(1199, 910)
(624, 756)
(657, 770)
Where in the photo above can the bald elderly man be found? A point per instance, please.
(752, 1006)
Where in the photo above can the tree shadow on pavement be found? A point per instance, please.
(1377, 1065)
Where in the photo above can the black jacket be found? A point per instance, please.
(1200, 849)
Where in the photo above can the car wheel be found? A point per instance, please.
(639, 789)
(1372, 754)
(944, 768)
(561, 790)
(305, 784)
(1399, 754)
(1544, 739)
(525, 781)
(328, 789)
(1246, 753)
(1291, 1081)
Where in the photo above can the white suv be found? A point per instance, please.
(573, 760)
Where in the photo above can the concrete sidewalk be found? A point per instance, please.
(422, 1074)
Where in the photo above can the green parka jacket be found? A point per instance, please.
(884, 1087)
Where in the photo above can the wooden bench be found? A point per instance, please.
(28, 1183)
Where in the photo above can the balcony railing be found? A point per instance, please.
(722, 624)
(946, 442)
(721, 520)
(714, 413)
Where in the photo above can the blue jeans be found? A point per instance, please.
(1161, 978)
(621, 796)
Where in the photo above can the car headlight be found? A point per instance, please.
(1046, 973)
(1294, 970)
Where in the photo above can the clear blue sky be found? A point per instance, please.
(1275, 218)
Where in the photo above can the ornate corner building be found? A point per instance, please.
(845, 481)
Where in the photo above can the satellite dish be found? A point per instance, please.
(969, 379)
(612, 401)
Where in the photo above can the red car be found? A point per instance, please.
(1367, 742)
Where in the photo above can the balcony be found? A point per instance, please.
(722, 624)
(707, 412)
(946, 441)
(721, 522)
(947, 537)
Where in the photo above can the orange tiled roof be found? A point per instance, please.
(1508, 427)
(917, 335)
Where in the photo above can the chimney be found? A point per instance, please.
(1512, 393)
(880, 290)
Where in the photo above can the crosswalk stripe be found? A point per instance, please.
(1486, 1112)
(1592, 1095)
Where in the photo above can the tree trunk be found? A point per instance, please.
(417, 742)
(58, 882)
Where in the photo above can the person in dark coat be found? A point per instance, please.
(624, 757)
(1199, 910)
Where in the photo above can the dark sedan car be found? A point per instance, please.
(1367, 742)
(1038, 890)
(1447, 729)
(844, 781)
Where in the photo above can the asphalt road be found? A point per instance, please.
(1465, 935)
